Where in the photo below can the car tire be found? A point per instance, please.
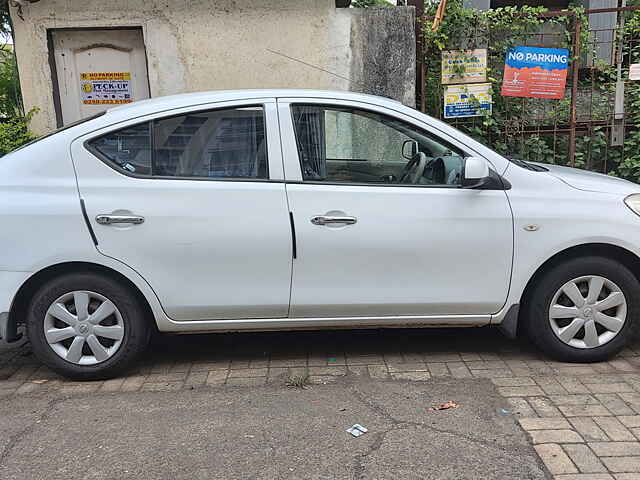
(552, 330)
(87, 346)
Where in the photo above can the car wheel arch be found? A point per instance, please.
(34, 282)
(605, 250)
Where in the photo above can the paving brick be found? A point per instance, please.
(584, 476)
(627, 476)
(531, 391)
(610, 378)
(584, 458)
(217, 377)
(208, 366)
(443, 357)
(555, 459)
(248, 372)
(415, 376)
(337, 371)
(615, 449)
(576, 371)
(589, 429)
(615, 430)
(614, 403)
(113, 385)
(166, 377)
(161, 386)
(630, 421)
(610, 387)
(459, 370)
(573, 385)
(550, 385)
(494, 373)
(408, 367)
(544, 407)
(513, 382)
(378, 371)
(579, 399)
(622, 464)
(196, 378)
(133, 384)
(555, 436)
(486, 365)
(438, 369)
(544, 423)
(622, 365)
(246, 381)
(521, 407)
(584, 410)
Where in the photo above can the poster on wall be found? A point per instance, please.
(634, 71)
(472, 100)
(112, 88)
(464, 66)
(535, 72)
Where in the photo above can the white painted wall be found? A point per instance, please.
(198, 44)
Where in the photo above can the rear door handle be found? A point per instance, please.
(331, 220)
(119, 219)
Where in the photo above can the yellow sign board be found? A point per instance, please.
(464, 66)
(106, 88)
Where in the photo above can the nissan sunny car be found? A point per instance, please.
(290, 209)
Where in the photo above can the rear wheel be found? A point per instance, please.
(584, 310)
(86, 326)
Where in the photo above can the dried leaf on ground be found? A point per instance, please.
(445, 406)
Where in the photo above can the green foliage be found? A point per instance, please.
(14, 133)
(528, 127)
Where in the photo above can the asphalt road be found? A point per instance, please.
(270, 432)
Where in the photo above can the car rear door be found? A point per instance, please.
(202, 199)
(371, 245)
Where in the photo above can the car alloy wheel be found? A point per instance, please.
(84, 328)
(588, 312)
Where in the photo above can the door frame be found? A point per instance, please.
(57, 102)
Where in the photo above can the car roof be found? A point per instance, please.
(158, 104)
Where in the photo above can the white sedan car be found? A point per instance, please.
(287, 209)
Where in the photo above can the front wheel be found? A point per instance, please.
(584, 310)
(86, 326)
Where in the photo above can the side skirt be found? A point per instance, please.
(266, 324)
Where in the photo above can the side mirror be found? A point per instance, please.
(410, 149)
(476, 173)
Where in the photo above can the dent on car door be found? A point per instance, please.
(379, 234)
(213, 237)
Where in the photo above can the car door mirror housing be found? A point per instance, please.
(476, 173)
(410, 149)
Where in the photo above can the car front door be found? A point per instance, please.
(204, 205)
(380, 233)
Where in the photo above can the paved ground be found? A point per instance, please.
(219, 403)
(271, 432)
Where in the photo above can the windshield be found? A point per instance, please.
(61, 129)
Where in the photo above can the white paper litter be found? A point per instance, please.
(357, 430)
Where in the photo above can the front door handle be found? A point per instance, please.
(119, 219)
(331, 220)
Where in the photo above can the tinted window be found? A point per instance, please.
(357, 146)
(221, 143)
(129, 148)
(215, 144)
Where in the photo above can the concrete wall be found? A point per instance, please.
(225, 44)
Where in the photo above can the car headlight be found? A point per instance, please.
(633, 202)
